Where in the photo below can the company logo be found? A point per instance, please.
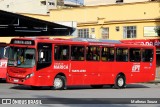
(61, 66)
(3, 64)
(136, 68)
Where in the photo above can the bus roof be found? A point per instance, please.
(95, 40)
(84, 41)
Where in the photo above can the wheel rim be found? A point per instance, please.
(58, 83)
(120, 82)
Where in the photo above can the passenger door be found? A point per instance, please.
(44, 55)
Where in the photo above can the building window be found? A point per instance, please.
(129, 32)
(92, 33)
(117, 28)
(119, 1)
(93, 30)
(43, 3)
(105, 33)
(83, 33)
(8, 6)
(51, 3)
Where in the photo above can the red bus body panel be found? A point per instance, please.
(84, 72)
(3, 68)
(3, 63)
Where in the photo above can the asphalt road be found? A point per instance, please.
(145, 90)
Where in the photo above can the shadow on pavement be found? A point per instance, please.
(84, 102)
(130, 86)
(3, 81)
(22, 87)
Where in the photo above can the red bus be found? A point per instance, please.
(38, 62)
(3, 60)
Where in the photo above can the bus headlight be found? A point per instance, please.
(29, 75)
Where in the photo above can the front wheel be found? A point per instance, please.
(59, 82)
(120, 82)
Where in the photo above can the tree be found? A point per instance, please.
(157, 30)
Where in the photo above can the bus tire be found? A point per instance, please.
(59, 82)
(96, 86)
(120, 82)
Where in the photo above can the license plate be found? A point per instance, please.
(15, 80)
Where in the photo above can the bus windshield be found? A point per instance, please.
(1, 52)
(21, 57)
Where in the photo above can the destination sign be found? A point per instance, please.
(22, 42)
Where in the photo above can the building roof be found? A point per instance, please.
(12, 24)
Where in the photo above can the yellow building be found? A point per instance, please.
(125, 21)
(116, 21)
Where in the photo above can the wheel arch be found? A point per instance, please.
(63, 75)
(121, 73)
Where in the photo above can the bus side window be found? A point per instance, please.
(111, 56)
(122, 54)
(104, 54)
(92, 53)
(125, 55)
(135, 55)
(147, 55)
(89, 54)
(77, 53)
(61, 52)
(107, 54)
